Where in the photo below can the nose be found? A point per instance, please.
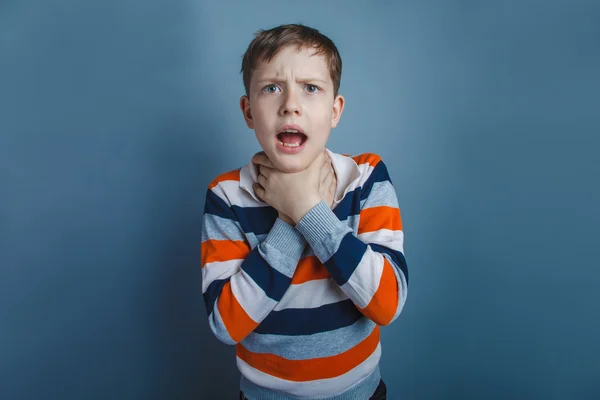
(291, 104)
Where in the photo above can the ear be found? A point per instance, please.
(338, 108)
(245, 107)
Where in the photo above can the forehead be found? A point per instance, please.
(303, 63)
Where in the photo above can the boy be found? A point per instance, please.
(302, 249)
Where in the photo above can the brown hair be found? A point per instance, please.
(267, 43)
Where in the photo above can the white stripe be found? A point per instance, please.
(385, 237)
(402, 288)
(251, 297)
(364, 281)
(311, 294)
(231, 193)
(365, 171)
(219, 270)
(316, 388)
(346, 171)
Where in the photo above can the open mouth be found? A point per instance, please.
(291, 138)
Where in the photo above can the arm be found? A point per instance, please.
(242, 286)
(369, 268)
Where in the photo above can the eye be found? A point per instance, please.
(312, 88)
(270, 88)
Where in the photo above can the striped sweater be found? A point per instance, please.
(303, 304)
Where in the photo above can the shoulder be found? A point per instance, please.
(372, 170)
(225, 178)
(370, 159)
(371, 166)
(224, 188)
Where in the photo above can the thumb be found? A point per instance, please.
(319, 160)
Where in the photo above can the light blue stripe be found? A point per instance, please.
(361, 390)
(218, 327)
(352, 223)
(324, 344)
(382, 194)
(323, 230)
(218, 228)
(260, 238)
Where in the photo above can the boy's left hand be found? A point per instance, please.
(291, 193)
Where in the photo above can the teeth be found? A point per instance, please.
(290, 144)
(291, 130)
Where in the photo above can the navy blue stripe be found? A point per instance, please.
(350, 205)
(212, 293)
(258, 220)
(216, 206)
(308, 321)
(396, 256)
(273, 282)
(343, 263)
(379, 174)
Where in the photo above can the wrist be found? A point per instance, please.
(303, 208)
(286, 219)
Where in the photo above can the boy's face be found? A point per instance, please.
(293, 92)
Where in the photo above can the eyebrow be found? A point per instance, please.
(304, 80)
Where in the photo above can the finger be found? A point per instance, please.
(328, 181)
(257, 155)
(326, 175)
(333, 185)
(262, 159)
(325, 165)
(324, 155)
(323, 172)
(259, 191)
(327, 168)
(266, 171)
(327, 161)
(262, 180)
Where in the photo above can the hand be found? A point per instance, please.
(328, 183)
(293, 194)
(259, 159)
(328, 180)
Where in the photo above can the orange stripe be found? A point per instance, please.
(311, 369)
(383, 305)
(223, 250)
(226, 176)
(376, 218)
(370, 158)
(236, 320)
(309, 269)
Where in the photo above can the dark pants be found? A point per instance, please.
(380, 393)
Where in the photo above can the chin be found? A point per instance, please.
(291, 163)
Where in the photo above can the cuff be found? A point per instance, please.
(286, 239)
(323, 230)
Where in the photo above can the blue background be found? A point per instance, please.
(115, 116)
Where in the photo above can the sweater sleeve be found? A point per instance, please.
(369, 267)
(240, 285)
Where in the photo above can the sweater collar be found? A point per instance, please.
(346, 171)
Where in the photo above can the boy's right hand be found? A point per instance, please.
(328, 182)
(327, 176)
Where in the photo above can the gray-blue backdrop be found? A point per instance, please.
(115, 116)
